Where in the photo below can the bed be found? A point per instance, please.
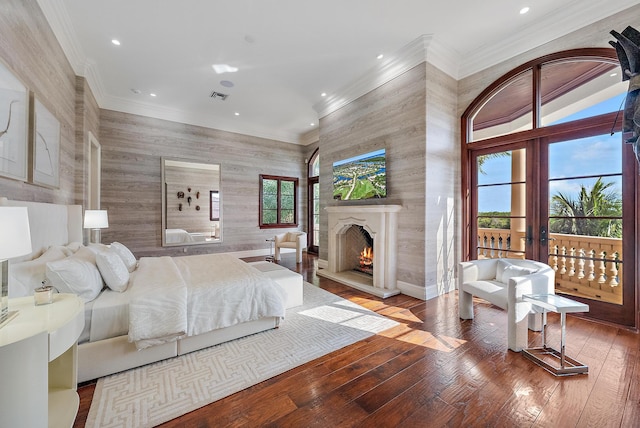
(163, 309)
(180, 236)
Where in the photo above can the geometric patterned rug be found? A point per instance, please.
(150, 395)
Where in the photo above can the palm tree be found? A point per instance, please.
(571, 215)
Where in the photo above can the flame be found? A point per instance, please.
(366, 256)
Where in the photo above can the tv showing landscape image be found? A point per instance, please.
(360, 177)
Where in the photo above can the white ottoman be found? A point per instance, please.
(289, 280)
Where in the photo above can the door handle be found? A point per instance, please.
(544, 239)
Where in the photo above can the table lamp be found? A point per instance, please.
(15, 241)
(95, 220)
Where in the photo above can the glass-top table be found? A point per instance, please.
(553, 361)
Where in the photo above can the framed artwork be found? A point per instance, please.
(45, 147)
(14, 111)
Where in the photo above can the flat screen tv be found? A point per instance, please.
(360, 177)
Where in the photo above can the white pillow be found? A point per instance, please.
(513, 270)
(113, 270)
(74, 246)
(75, 275)
(502, 265)
(96, 248)
(126, 255)
(25, 277)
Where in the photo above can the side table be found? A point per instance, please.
(38, 363)
(270, 257)
(552, 360)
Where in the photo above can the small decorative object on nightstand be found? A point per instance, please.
(43, 295)
(15, 241)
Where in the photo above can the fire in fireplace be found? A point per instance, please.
(366, 261)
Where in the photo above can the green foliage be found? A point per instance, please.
(572, 214)
(494, 220)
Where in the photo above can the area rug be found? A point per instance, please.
(156, 393)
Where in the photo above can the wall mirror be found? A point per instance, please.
(191, 203)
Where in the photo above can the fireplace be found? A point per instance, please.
(363, 247)
(359, 250)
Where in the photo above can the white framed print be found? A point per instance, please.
(45, 146)
(14, 113)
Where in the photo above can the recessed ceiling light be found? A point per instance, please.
(524, 10)
(380, 56)
(237, 114)
(153, 95)
(115, 42)
(324, 94)
(224, 68)
(226, 83)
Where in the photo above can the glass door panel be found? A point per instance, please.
(585, 217)
(501, 195)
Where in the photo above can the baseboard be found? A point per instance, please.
(412, 290)
(323, 264)
(423, 293)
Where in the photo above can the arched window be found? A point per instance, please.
(546, 176)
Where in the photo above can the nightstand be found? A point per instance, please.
(39, 363)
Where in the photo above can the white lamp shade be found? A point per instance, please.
(15, 235)
(96, 219)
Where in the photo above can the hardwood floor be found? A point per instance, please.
(436, 370)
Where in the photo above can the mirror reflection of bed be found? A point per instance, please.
(191, 203)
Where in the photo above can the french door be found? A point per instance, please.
(566, 200)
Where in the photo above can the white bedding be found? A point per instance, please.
(174, 297)
(225, 291)
(176, 236)
(109, 315)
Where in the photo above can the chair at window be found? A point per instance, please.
(296, 240)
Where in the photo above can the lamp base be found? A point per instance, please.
(5, 320)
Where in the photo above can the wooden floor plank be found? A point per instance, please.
(436, 370)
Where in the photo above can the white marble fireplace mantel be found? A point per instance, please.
(381, 223)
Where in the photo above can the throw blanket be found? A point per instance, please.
(206, 292)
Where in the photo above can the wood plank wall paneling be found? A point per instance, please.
(132, 147)
(391, 117)
(442, 237)
(31, 51)
(87, 121)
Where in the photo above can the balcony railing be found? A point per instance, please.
(587, 266)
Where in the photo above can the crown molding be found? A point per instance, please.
(58, 18)
(198, 119)
(56, 15)
(540, 32)
(423, 49)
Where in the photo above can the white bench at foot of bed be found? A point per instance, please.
(289, 280)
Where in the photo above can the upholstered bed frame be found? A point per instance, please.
(55, 224)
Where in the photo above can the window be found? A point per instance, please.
(214, 205)
(278, 201)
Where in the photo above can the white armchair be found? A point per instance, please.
(296, 240)
(503, 282)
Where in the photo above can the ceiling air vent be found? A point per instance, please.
(219, 96)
